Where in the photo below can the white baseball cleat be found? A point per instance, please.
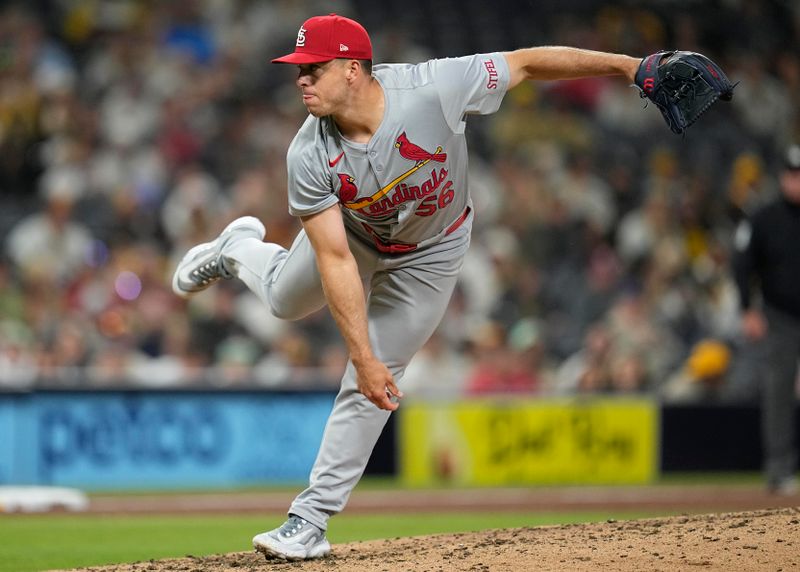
(204, 265)
(295, 539)
(786, 487)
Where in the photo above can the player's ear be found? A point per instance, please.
(353, 69)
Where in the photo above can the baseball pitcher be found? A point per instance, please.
(378, 177)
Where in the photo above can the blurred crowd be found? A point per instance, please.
(600, 263)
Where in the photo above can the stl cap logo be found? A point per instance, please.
(301, 37)
(343, 48)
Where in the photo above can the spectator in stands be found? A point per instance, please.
(65, 351)
(508, 361)
(589, 369)
(702, 378)
(629, 373)
(162, 118)
(17, 359)
(588, 197)
(50, 245)
(762, 102)
(437, 370)
(635, 332)
(290, 363)
(749, 186)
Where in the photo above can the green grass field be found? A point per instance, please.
(40, 542)
(32, 542)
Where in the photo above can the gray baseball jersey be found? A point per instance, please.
(408, 185)
(405, 188)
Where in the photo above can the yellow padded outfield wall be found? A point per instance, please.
(527, 441)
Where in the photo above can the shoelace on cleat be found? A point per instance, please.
(206, 273)
(292, 526)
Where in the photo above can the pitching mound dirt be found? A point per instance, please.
(757, 540)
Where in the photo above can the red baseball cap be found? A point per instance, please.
(325, 38)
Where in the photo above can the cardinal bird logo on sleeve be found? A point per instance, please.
(416, 153)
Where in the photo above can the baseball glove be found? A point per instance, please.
(683, 85)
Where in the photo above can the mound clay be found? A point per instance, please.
(757, 540)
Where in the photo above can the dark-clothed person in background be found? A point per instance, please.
(768, 258)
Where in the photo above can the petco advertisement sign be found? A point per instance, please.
(140, 440)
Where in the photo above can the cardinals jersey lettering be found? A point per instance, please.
(409, 183)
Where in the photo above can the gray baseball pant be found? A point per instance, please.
(407, 296)
(778, 400)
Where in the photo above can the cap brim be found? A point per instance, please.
(791, 158)
(302, 58)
